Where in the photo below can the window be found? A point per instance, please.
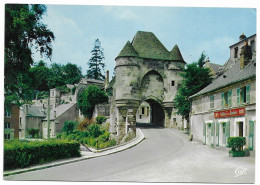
(7, 125)
(7, 136)
(226, 99)
(140, 116)
(243, 95)
(212, 102)
(173, 83)
(142, 110)
(235, 52)
(7, 114)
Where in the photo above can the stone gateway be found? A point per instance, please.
(145, 72)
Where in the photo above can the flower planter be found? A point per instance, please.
(237, 153)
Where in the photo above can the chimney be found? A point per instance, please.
(207, 60)
(107, 78)
(242, 36)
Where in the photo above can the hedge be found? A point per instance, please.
(18, 154)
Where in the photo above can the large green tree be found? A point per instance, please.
(61, 75)
(195, 78)
(95, 63)
(24, 31)
(41, 74)
(90, 97)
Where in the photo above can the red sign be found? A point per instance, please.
(229, 113)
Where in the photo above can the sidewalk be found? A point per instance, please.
(84, 155)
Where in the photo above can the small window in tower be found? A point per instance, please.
(142, 110)
(173, 83)
(236, 51)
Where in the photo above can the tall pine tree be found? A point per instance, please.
(95, 63)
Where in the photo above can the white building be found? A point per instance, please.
(227, 106)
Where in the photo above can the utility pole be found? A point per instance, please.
(48, 119)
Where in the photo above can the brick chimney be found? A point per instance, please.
(107, 78)
(242, 36)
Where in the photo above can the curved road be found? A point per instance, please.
(164, 156)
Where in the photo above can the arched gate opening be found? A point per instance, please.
(150, 114)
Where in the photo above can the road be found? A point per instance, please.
(164, 156)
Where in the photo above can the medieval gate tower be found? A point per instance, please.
(145, 71)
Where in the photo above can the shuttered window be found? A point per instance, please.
(211, 102)
(230, 98)
(212, 133)
(248, 93)
(217, 133)
(251, 135)
(227, 131)
(238, 96)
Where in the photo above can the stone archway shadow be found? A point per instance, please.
(157, 114)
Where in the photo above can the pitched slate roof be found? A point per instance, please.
(59, 110)
(214, 67)
(233, 75)
(175, 54)
(128, 51)
(147, 45)
(36, 111)
(111, 83)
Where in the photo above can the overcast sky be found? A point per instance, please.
(194, 30)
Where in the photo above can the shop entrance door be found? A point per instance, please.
(240, 129)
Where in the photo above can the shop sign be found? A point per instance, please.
(229, 113)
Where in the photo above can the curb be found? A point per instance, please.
(139, 137)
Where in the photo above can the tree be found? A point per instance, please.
(40, 73)
(72, 73)
(61, 75)
(95, 62)
(90, 97)
(23, 31)
(195, 78)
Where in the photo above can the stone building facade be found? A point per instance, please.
(145, 72)
(227, 106)
(63, 107)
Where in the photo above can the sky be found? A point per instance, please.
(193, 29)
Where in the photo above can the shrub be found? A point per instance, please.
(34, 133)
(236, 143)
(69, 126)
(84, 124)
(104, 137)
(95, 130)
(23, 154)
(100, 119)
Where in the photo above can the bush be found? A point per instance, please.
(69, 126)
(95, 130)
(34, 133)
(236, 143)
(23, 154)
(104, 137)
(84, 124)
(100, 119)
